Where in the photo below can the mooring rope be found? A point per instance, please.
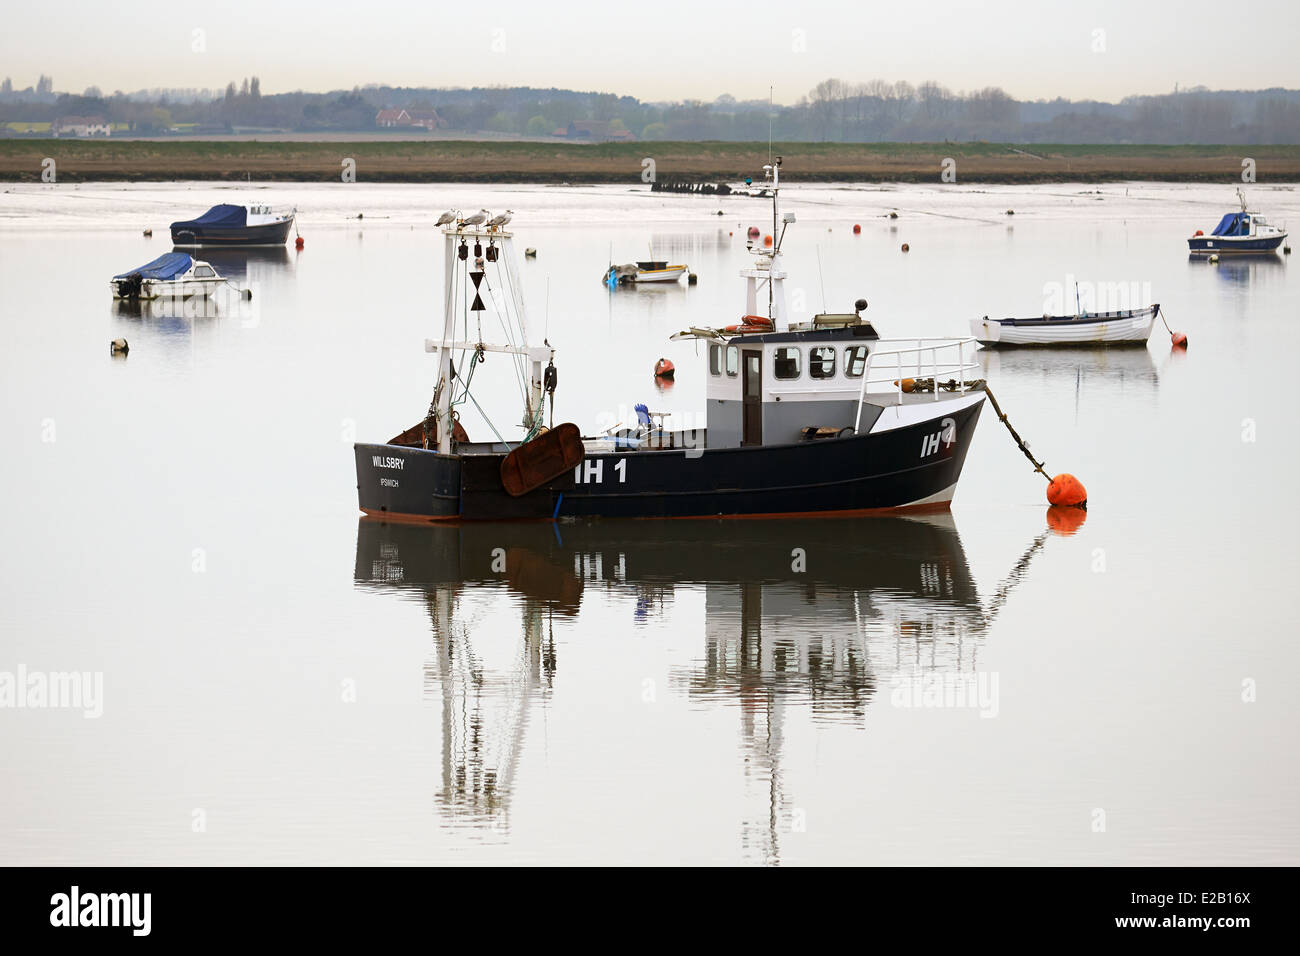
(952, 385)
(1161, 312)
(1002, 417)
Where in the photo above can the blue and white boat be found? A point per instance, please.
(171, 274)
(232, 225)
(1238, 232)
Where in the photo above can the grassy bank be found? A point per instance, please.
(449, 161)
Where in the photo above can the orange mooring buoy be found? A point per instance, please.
(906, 247)
(298, 243)
(664, 369)
(856, 229)
(1067, 491)
(767, 240)
(1179, 339)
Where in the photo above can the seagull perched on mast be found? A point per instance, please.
(477, 219)
(447, 217)
(498, 221)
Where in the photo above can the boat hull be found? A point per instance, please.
(182, 289)
(1229, 245)
(265, 234)
(1130, 327)
(911, 467)
(671, 274)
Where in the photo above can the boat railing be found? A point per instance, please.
(936, 359)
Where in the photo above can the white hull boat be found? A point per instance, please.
(173, 275)
(1123, 327)
(643, 272)
(666, 274)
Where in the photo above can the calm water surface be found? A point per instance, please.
(284, 683)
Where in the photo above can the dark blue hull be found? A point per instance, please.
(911, 467)
(1220, 244)
(271, 234)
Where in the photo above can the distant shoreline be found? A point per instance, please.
(437, 161)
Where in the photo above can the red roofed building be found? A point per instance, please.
(425, 119)
(429, 119)
(393, 118)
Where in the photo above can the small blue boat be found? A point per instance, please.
(231, 225)
(1238, 232)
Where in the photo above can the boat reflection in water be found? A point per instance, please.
(822, 613)
(246, 264)
(1243, 270)
(170, 320)
(1081, 367)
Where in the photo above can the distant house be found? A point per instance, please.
(425, 119)
(393, 118)
(80, 126)
(595, 131)
(429, 119)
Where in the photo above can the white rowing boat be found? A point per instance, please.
(1122, 327)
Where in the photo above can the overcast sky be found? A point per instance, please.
(667, 49)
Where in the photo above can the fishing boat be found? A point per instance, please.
(235, 225)
(810, 417)
(1120, 327)
(173, 274)
(637, 273)
(1238, 232)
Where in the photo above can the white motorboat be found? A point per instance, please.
(646, 271)
(171, 274)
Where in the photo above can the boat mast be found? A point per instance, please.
(768, 267)
(442, 391)
(500, 250)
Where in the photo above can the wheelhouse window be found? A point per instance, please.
(786, 364)
(733, 360)
(821, 361)
(715, 359)
(855, 361)
(203, 272)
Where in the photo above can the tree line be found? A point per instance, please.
(833, 111)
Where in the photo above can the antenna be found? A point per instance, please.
(546, 322)
(769, 124)
(820, 277)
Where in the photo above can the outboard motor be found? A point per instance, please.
(131, 286)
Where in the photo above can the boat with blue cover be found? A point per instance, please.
(228, 224)
(1238, 232)
(812, 416)
(171, 274)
